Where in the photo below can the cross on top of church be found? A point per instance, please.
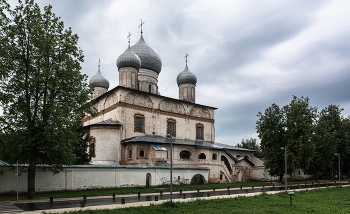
(186, 57)
(129, 37)
(141, 25)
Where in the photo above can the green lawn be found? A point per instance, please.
(325, 200)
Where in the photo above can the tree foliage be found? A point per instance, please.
(251, 144)
(41, 89)
(312, 138)
(325, 140)
(270, 128)
(287, 128)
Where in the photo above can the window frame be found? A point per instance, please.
(201, 155)
(136, 123)
(169, 121)
(183, 151)
(92, 147)
(201, 135)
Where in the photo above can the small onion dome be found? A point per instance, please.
(98, 80)
(149, 57)
(186, 76)
(128, 59)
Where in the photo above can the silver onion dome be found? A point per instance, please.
(98, 80)
(186, 76)
(148, 56)
(128, 59)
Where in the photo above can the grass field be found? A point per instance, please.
(325, 200)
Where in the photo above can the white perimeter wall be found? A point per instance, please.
(89, 177)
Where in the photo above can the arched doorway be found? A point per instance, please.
(148, 179)
(197, 179)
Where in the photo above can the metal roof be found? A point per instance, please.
(98, 80)
(181, 141)
(108, 122)
(159, 147)
(148, 56)
(128, 59)
(186, 76)
(163, 164)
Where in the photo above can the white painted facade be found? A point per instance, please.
(92, 177)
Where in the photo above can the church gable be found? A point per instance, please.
(172, 106)
(110, 100)
(199, 111)
(138, 99)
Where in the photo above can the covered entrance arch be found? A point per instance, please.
(198, 179)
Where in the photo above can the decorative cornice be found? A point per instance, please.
(151, 110)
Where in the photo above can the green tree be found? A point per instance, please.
(270, 127)
(343, 146)
(325, 139)
(81, 147)
(41, 89)
(300, 118)
(251, 144)
(289, 127)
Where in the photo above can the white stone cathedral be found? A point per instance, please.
(134, 123)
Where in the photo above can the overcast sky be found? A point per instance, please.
(246, 54)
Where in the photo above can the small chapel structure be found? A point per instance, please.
(135, 125)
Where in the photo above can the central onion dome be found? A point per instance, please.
(148, 56)
(128, 59)
(186, 76)
(98, 80)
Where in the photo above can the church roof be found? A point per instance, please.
(148, 56)
(113, 91)
(186, 76)
(108, 122)
(128, 59)
(181, 141)
(98, 80)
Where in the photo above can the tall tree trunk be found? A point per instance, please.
(31, 174)
(281, 177)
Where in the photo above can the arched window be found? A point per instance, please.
(142, 153)
(171, 127)
(202, 156)
(215, 156)
(185, 154)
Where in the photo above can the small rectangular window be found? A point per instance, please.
(92, 149)
(139, 123)
(171, 128)
(199, 132)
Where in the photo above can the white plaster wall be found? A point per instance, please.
(87, 177)
(107, 143)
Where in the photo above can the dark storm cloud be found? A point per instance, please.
(246, 54)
